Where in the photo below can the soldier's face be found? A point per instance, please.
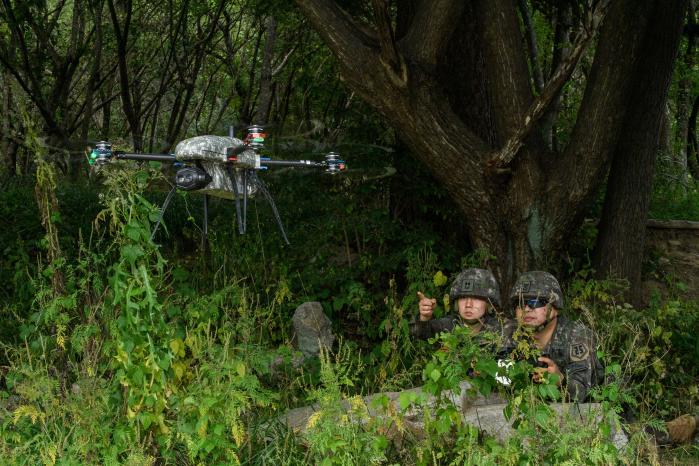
(535, 316)
(471, 308)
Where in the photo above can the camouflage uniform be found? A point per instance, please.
(573, 346)
(430, 328)
(477, 283)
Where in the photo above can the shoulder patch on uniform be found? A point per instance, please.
(579, 351)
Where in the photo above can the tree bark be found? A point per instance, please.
(692, 142)
(619, 250)
(561, 53)
(129, 104)
(684, 92)
(8, 147)
(264, 102)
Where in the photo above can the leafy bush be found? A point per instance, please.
(159, 354)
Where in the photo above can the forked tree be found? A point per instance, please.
(455, 79)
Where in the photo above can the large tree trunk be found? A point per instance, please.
(623, 223)
(455, 85)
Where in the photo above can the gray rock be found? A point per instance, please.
(486, 413)
(312, 329)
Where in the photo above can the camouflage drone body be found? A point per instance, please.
(211, 152)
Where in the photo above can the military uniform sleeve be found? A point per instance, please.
(582, 369)
(427, 329)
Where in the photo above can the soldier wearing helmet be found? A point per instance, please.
(475, 294)
(568, 347)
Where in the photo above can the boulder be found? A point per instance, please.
(486, 413)
(312, 329)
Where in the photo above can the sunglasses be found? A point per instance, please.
(535, 302)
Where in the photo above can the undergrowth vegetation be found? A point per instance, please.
(160, 354)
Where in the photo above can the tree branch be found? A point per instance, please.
(430, 30)
(390, 56)
(338, 30)
(540, 105)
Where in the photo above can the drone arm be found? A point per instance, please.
(145, 157)
(293, 163)
(331, 164)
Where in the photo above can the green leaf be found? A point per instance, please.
(405, 399)
(146, 419)
(131, 252)
(542, 415)
(435, 374)
(338, 304)
(240, 369)
(439, 279)
(137, 376)
(507, 412)
(381, 443)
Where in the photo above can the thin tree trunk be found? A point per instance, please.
(264, 102)
(684, 89)
(94, 74)
(9, 154)
(561, 53)
(692, 143)
(530, 35)
(129, 104)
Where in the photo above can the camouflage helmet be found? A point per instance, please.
(537, 284)
(477, 283)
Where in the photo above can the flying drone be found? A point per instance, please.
(219, 166)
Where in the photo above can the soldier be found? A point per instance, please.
(476, 296)
(568, 347)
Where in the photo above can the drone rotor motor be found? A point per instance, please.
(334, 164)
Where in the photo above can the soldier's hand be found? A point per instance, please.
(552, 368)
(426, 306)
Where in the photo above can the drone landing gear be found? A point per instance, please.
(265, 192)
(205, 223)
(205, 226)
(168, 198)
(249, 177)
